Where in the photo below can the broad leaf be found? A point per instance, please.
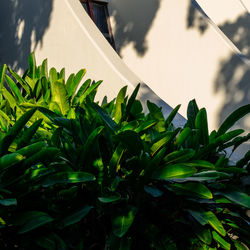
(193, 188)
(32, 65)
(105, 117)
(233, 118)
(75, 217)
(202, 126)
(59, 95)
(123, 222)
(239, 198)
(131, 140)
(179, 156)
(110, 198)
(13, 132)
(119, 101)
(81, 91)
(35, 221)
(192, 112)
(172, 115)
(174, 171)
(72, 85)
(224, 244)
(68, 177)
(8, 202)
(208, 218)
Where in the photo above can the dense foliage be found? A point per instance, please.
(78, 175)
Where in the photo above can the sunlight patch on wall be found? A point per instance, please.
(20, 30)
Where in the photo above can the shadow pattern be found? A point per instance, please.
(234, 75)
(22, 26)
(195, 19)
(133, 21)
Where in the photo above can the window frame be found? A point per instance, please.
(89, 4)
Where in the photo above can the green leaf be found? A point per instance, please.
(53, 77)
(155, 111)
(194, 188)
(13, 132)
(89, 90)
(174, 171)
(62, 74)
(239, 198)
(28, 133)
(2, 74)
(167, 138)
(59, 95)
(131, 140)
(20, 80)
(233, 118)
(48, 113)
(219, 141)
(115, 159)
(110, 198)
(35, 220)
(73, 83)
(208, 218)
(68, 177)
(31, 149)
(11, 100)
(172, 115)
(224, 244)
(213, 174)
(202, 126)
(81, 91)
(185, 133)
(131, 100)
(105, 117)
(119, 100)
(44, 155)
(203, 234)
(30, 82)
(179, 156)
(123, 222)
(8, 202)
(155, 192)
(75, 217)
(44, 69)
(145, 125)
(32, 65)
(90, 144)
(192, 112)
(200, 164)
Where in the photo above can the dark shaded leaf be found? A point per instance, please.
(233, 118)
(68, 177)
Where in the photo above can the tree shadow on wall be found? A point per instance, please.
(195, 19)
(234, 75)
(22, 21)
(133, 21)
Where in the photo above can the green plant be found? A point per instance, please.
(113, 177)
(41, 88)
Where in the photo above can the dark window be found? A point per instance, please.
(98, 11)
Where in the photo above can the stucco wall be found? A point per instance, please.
(181, 56)
(65, 34)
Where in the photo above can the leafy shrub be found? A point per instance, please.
(109, 176)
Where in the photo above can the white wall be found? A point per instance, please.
(181, 55)
(69, 39)
(181, 63)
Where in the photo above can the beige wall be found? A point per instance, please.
(166, 43)
(181, 56)
(68, 39)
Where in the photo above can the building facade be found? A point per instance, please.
(180, 49)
